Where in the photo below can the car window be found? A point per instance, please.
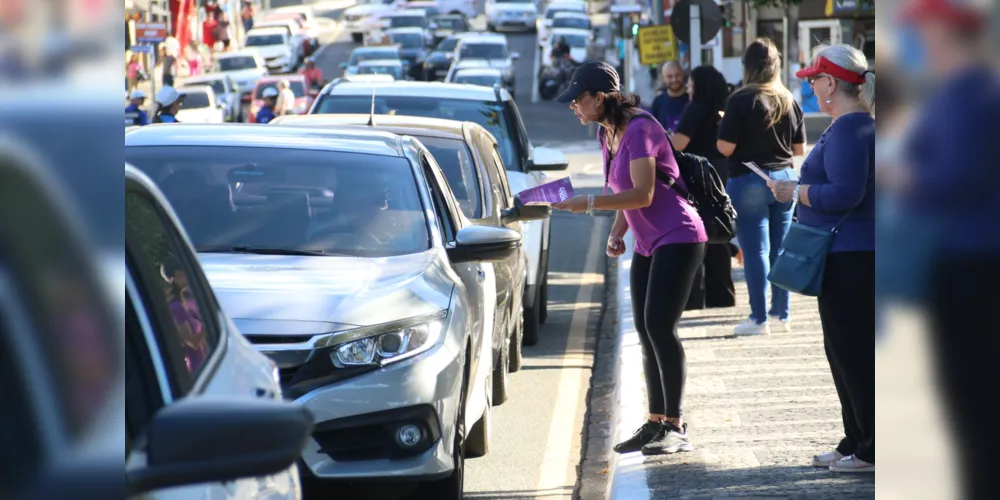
(497, 163)
(174, 294)
(483, 51)
(522, 137)
(573, 40)
(447, 45)
(275, 200)
(455, 160)
(143, 397)
(407, 22)
(571, 22)
(236, 63)
(446, 220)
(552, 12)
(264, 40)
(371, 55)
(395, 71)
(481, 80)
(218, 86)
(195, 100)
(449, 23)
(487, 114)
(407, 40)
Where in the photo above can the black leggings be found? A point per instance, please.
(847, 312)
(660, 286)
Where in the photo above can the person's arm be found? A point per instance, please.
(731, 126)
(620, 226)
(687, 127)
(642, 147)
(847, 161)
(799, 134)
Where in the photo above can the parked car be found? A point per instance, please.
(193, 378)
(413, 49)
(303, 97)
(493, 109)
(572, 20)
(226, 92)
(275, 46)
(306, 16)
(201, 106)
(374, 53)
(446, 25)
(486, 77)
(511, 15)
(578, 41)
(391, 67)
(492, 50)
(245, 67)
(366, 16)
(347, 261)
(296, 34)
(544, 22)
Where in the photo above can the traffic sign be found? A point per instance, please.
(657, 45)
(153, 32)
(142, 49)
(711, 20)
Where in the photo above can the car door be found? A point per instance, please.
(180, 339)
(516, 264)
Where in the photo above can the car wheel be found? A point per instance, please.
(500, 375)
(357, 37)
(532, 323)
(478, 443)
(516, 353)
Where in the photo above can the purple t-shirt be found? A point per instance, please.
(669, 219)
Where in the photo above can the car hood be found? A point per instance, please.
(514, 8)
(297, 295)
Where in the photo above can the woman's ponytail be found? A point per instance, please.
(866, 92)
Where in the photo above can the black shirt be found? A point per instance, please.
(168, 65)
(745, 124)
(701, 124)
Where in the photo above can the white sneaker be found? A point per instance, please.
(780, 325)
(851, 464)
(827, 459)
(751, 328)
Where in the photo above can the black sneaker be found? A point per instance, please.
(648, 432)
(671, 440)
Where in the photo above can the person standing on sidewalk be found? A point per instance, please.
(247, 13)
(762, 124)
(209, 29)
(696, 133)
(223, 29)
(673, 98)
(669, 235)
(838, 184)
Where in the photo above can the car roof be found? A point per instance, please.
(374, 48)
(396, 124)
(266, 31)
(474, 37)
(251, 135)
(381, 62)
(381, 77)
(414, 30)
(439, 90)
(478, 71)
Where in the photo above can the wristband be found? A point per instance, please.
(795, 194)
(590, 204)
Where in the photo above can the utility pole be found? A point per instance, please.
(695, 47)
(657, 12)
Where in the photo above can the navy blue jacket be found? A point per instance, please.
(264, 115)
(135, 116)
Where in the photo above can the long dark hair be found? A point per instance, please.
(619, 107)
(710, 88)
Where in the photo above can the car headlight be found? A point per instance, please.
(388, 347)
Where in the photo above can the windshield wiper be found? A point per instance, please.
(266, 250)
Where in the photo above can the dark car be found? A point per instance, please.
(439, 60)
(444, 26)
(412, 50)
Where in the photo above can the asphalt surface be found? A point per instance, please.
(538, 433)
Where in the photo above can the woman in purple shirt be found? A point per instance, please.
(837, 183)
(669, 242)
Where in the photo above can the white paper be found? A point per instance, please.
(753, 166)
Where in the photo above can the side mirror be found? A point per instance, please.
(343, 65)
(525, 213)
(216, 440)
(547, 159)
(515, 56)
(483, 244)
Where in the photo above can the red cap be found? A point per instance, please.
(960, 13)
(823, 66)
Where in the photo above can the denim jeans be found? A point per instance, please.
(761, 224)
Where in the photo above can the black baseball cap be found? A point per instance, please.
(593, 76)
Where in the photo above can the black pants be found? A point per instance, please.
(847, 312)
(660, 287)
(965, 334)
(713, 283)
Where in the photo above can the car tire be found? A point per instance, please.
(500, 372)
(516, 338)
(532, 323)
(478, 443)
(357, 37)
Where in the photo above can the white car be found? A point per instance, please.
(492, 49)
(275, 46)
(484, 77)
(544, 22)
(390, 67)
(226, 92)
(366, 17)
(305, 14)
(297, 35)
(573, 20)
(201, 106)
(466, 8)
(511, 14)
(410, 18)
(578, 41)
(245, 67)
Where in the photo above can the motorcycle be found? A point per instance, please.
(554, 79)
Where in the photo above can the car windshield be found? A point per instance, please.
(447, 45)
(296, 85)
(289, 200)
(218, 86)
(407, 22)
(552, 12)
(370, 55)
(488, 114)
(449, 23)
(483, 51)
(455, 160)
(408, 40)
(237, 63)
(264, 40)
(483, 80)
(195, 100)
(395, 71)
(573, 40)
(571, 22)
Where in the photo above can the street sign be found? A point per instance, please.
(657, 45)
(711, 20)
(150, 32)
(142, 49)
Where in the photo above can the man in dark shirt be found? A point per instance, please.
(266, 112)
(669, 104)
(134, 114)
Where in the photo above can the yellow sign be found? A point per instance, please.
(657, 45)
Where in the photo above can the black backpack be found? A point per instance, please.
(705, 191)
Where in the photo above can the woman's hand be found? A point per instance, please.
(576, 204)
(784, 191)
(616, 246)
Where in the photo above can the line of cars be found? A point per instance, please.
(380, 260)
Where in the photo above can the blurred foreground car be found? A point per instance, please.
(345, 258)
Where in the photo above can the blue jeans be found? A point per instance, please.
(761, 224)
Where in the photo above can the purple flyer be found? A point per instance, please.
(547, 194)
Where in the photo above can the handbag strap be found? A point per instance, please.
(850, 212)
(661, 175)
